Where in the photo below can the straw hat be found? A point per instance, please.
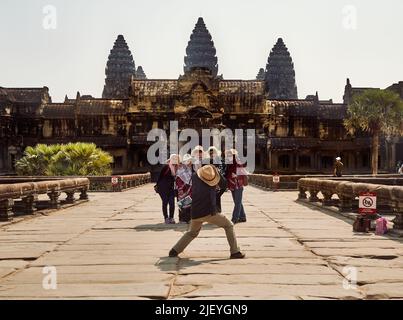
(209, 175)
(187, 158)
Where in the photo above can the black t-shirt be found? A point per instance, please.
(204, 197)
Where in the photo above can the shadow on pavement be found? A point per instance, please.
(168, 264)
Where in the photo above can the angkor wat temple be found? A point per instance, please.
(292, 135)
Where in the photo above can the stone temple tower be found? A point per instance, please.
(261, 74)
(119, 71)
(200, 51)
(140, 74)
(280, 73)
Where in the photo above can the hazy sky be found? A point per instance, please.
(329, 40)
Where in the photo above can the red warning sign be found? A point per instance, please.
(367, 203)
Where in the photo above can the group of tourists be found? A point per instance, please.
(175, 181)
(198, 180)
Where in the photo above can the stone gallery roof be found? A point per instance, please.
(58, 111)
(309, 108)
(25, 95)
(90, 107)
(154, 87)
(170, 87)
(241, 87)
(295, 143)
(101, 107)
(335, 111)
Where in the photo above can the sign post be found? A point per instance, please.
(367, 212)
(115, 183)
(367, 203)
(276, 181)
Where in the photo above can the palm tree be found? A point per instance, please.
(73, 159)
(36, 159)
(377, 112)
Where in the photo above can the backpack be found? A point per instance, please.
(361, 224)
(381, 226)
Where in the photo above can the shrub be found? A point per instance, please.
(83, 159)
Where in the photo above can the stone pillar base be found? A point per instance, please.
(6, 206)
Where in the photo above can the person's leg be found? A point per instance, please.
(221, 221)
(187, 215)
(237, 206)
(171, 200)
(164, 198)
(218, 202)
(242, 214)
(189, 236)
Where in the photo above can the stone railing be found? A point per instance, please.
(97, 183)
(390, 197)
(28, 193)
(121, 183)
(290, 182)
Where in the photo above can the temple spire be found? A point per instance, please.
(261, 74)
(119, 71)
(280, 73)
(200, 51)
(140, 73)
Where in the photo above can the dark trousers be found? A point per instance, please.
(239, 212)
(185, 215)
(168, 200)
(218, 200)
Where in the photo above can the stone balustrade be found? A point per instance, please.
(97, 183)
(347, 193)
(28, 193)
(290, 182)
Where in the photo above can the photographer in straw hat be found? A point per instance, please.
(204, 183)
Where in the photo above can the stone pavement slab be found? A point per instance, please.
(115, 247)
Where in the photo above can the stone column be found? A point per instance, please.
(6, 206)
(70, 197)
(84, 194)
(346, 204)
(327, 199)
(54, 202)
(29, 204)
(398, 221)
(269, 160)
(393, 159)
(302, 193)
(313, 195)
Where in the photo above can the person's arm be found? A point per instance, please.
(223, 182)
(162, 173)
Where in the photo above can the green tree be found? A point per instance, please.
(377, 112)
(83, 159)
(36, 159)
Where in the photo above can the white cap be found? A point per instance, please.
(187, 158)
(338, 158)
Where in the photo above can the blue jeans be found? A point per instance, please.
(168, 200)
(239, 212)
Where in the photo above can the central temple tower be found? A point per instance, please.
(200, 52)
